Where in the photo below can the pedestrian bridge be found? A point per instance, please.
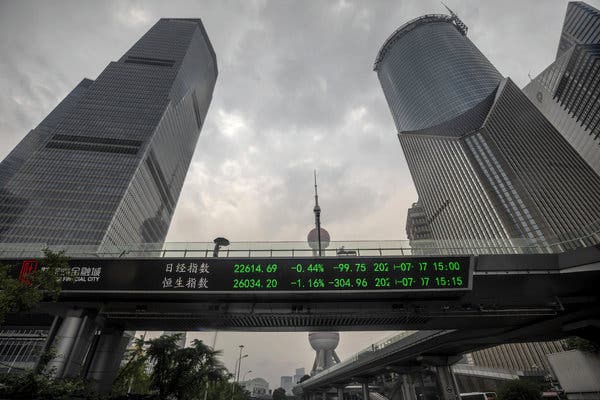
(496, 292)
(499, 285)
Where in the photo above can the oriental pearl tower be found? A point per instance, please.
(324, 343)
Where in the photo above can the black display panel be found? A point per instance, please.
(231, 275)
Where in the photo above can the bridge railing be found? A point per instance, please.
(586, 236)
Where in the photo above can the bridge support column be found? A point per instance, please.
(106, 358)
(340, 392)
(446, 383)
(407, 388)
(365, 390)
(72, 342)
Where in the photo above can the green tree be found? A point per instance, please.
(22, 295)
(279, 394)
(161, 351)
(222, 390)
(577, 343)
(520, 390)
(133, 377)
(41, 385)
(183, 373)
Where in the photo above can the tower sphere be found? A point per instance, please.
(313, 239)
(324, 340)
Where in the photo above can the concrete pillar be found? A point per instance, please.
(408, 388)
(72, 343)
(365, 390)
(47, 344)
(340, 392)
(446, 383)
(106, 359)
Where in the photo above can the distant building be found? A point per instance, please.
(300, 372)
(287, 384)
(257, 387)
(417, 225)
(417, 229)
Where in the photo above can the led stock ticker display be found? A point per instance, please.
(264, 275)
(356, 274)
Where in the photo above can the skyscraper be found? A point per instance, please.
(107, 165)
(567, 91)
(485, 162)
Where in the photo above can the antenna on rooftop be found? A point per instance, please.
(318, 238)
(461, 25)
(317, 211)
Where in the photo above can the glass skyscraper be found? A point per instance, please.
(567, 91)
(487, 165)
(106, 166)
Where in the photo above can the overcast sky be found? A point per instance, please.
(296, 91)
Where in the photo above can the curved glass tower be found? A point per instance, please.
(431, 73)
(485, 162)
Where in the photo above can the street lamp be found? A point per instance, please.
(239, 361)
(240, 367)
(219, 242)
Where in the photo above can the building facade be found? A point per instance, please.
(530, 356)
(487, 165)
(567, 91)
(107, 165)
(257, 387)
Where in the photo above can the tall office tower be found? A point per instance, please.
(107, 165)
(485, 162)
(567, 91)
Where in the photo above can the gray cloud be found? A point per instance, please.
(296, 91)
